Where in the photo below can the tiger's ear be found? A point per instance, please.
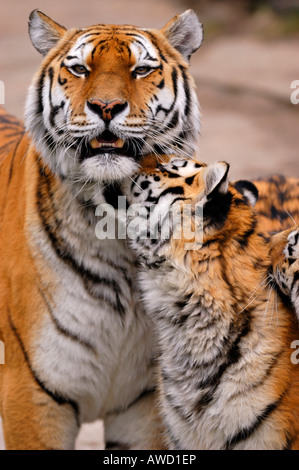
(185, 33)
(248, 190)
(216, 178)
(44, 32)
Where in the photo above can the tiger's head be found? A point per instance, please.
(106, 94)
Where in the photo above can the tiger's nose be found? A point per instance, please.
(107, 110)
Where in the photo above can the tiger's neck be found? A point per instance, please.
(67, 213)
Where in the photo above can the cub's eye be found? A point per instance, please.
(79, 69)
(141, 71)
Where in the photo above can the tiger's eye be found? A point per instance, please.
(141, 70)
(79, 69)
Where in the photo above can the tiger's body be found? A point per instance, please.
(77, 343)
(226, 379)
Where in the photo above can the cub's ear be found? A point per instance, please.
(248, 190)
(216, 178)
(44, 32)
(185, 33)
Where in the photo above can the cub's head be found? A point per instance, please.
(172, 201)
(106, 94)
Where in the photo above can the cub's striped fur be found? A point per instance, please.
(226, 376)
(77, 343)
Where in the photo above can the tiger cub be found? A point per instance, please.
(285, 259)
(224, 333)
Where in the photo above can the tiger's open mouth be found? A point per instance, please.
(110, 144)
(106, 141)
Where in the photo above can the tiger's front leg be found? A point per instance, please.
(32, 419)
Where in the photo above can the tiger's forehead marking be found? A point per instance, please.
(137, 44)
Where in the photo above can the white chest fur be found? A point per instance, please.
(94, 345)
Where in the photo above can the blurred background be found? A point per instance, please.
(243, 71)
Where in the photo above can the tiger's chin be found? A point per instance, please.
(108, 167)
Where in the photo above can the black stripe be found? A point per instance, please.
(40, 92)
(62, 81)
(174, 120)
(231, 357)
(296, 278)
(154, 41)
(10, 120)
(187, 91)
(190, 180)
(290, 439)
(275, 214)
(12, 160)
(96, 46)
(174, 190)
(61, 328)
(59, 399)
(54, 109)
(245, 433)
(184, 302)
(90, 279)
(179, 409)
(244, 238)
(174, 76)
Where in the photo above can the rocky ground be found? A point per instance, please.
(243, 85)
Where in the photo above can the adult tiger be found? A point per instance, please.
(77, 344)
(226, 378)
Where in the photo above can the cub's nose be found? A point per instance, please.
(107, 110)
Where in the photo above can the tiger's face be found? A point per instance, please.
(285, 261)
(105, 95)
